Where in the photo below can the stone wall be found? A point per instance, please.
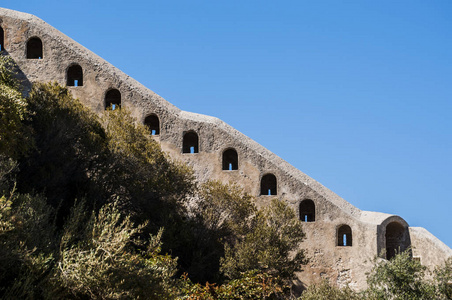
(371, 232)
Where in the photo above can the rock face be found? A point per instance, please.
(341, 239)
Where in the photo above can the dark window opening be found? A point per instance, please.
(34, 48)
(113, 99)
(397, 239)
(2, 39)
(74, 76)
(190, 143)
(307, 211)
(344, 236)
(153, 123)
(268, 185)
(230, 160)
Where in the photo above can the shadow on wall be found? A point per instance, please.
(20, 75)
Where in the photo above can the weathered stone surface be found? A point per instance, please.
(372, 232)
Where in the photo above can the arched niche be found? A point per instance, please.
(269, 185)
(230, 160)
(34, 48)
(344, 236)
(153, 123)
(190, 143)
(74, 75)
(307, 211)
(397, 239)
(113, 99)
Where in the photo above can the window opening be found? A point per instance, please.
(113, 99)
(74, 76)
(230, 160)
(190, 142)
(268, 185)
(344, 235)
(307, 211)
(153, 123)
(34, 48)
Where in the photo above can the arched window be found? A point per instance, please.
(307, 211)
(230, 160)
(190, 143)
(153, 123)
(2, 39)
(344, 236)
(397, 239)
(113, 99)
(268, 185)
(34, 48)
(74, 76)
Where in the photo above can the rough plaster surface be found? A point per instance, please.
(341, 264)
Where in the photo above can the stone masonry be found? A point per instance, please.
(341, 240)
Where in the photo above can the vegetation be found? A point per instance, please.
(326, 291)
(91, 208)
(400, 278)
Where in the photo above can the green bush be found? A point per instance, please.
(326, 291)
(399, 278)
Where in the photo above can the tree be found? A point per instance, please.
(443, 279)
(230, 236)
(271, 244)
(399, 278)
(15, 139)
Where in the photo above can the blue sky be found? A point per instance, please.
(356, 94)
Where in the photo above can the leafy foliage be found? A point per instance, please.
(103, 264)
(400, 278)
(78, 155)
(69, 152)
(250, 285)
(270, 244)
(14, 138)
(443, 277)
(54, 151)
(55, 246)
(325, 291)
(231, 236)
(27, 240)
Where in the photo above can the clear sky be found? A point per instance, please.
(356, 94)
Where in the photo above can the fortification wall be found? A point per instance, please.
(327, 217)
